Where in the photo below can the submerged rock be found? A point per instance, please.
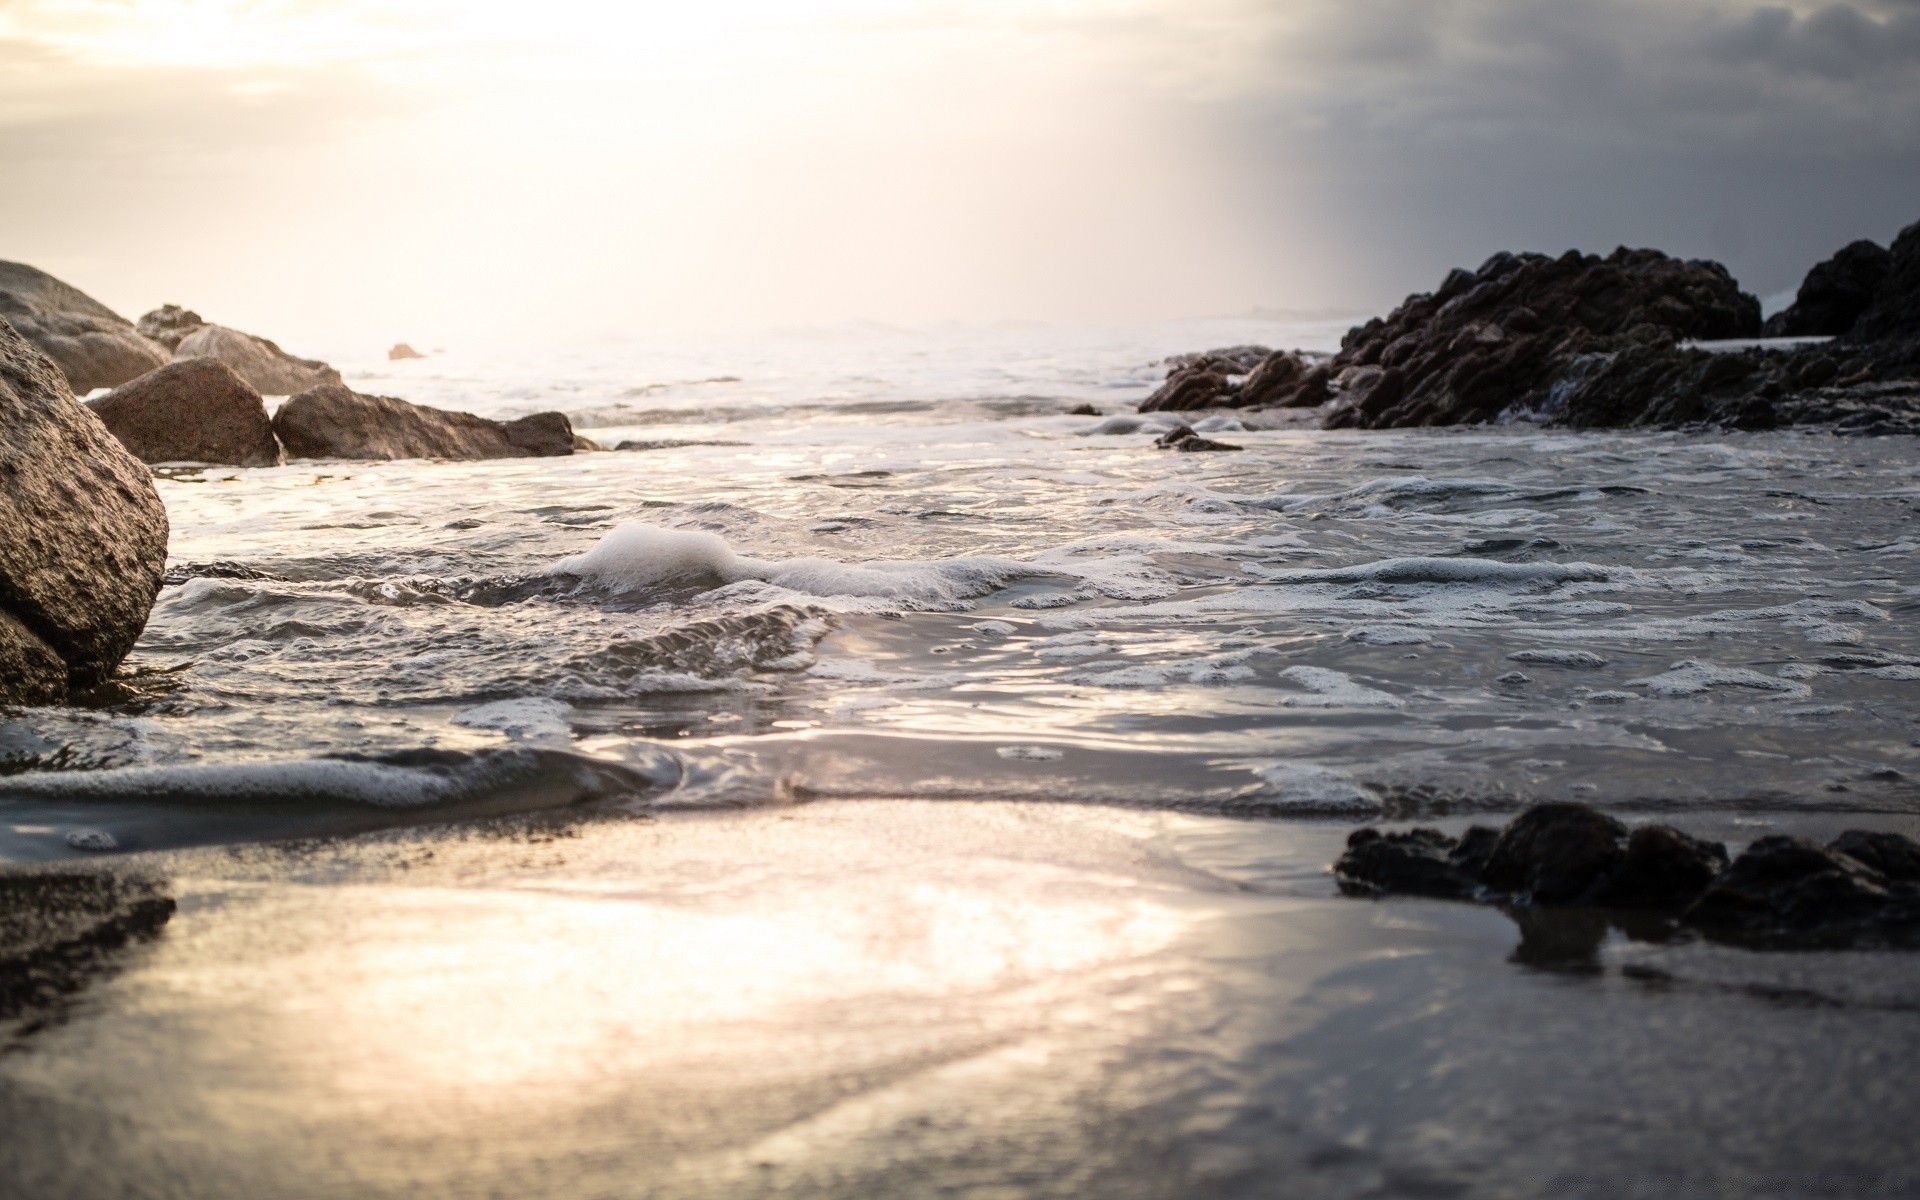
(92, 345)
(194, 410)
(1183, 438)
(1862, 889)
(335, 422)
(83, 536)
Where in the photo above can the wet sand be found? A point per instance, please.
(921, 998)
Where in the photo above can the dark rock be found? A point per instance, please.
(194, 410)
(83, 535)
(169, 323)
(1894, 856)
(541, 435)
(1501, 338)
(402, 351)
(1185, 439)
(1789, 890)
(1894, 315)
(1556, 854)
(1863, 890)
(335, 422)
(1195, 385)
(1285, 379)
(1083, 410)
(1663, 868)
(92, 345)
(1419, 862)
(1834, 293)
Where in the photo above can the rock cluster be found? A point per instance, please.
(1585, 341)
(1861, 889)
(83, 535)
(335, 422)
(91, 344)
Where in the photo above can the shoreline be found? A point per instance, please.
(1092, 1001)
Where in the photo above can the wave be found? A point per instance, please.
(641, 557)
(481, 783)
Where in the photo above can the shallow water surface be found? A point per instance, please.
(894, 565)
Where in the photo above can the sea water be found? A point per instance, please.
(875, 562)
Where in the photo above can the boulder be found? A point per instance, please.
(193, 410)
(267, 368)
(1555, 854)
(402, 351)
(83, 535)
(1834, 293)
(1419, 862)
(92, 345)
(333, 421)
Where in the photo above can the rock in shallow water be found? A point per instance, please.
(83, 535)
(194, 410)
(335, 422)
(1861, 890)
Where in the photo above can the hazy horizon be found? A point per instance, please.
(346, 175)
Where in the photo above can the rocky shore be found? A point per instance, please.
(189, 390)
(1633, 339)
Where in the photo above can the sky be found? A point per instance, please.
(342, 175)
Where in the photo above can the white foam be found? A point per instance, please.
(1690, 678)
(636, 556)
(1306, 788)
(1334, 689)
(533, 719)
(1560, 658)
(1028, 753)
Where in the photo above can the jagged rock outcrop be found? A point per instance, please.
(193, 410)
(1501, 338)
(83, 535)
(335, 422)
(92, 345)
(1861, 889)
(1834, 293)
